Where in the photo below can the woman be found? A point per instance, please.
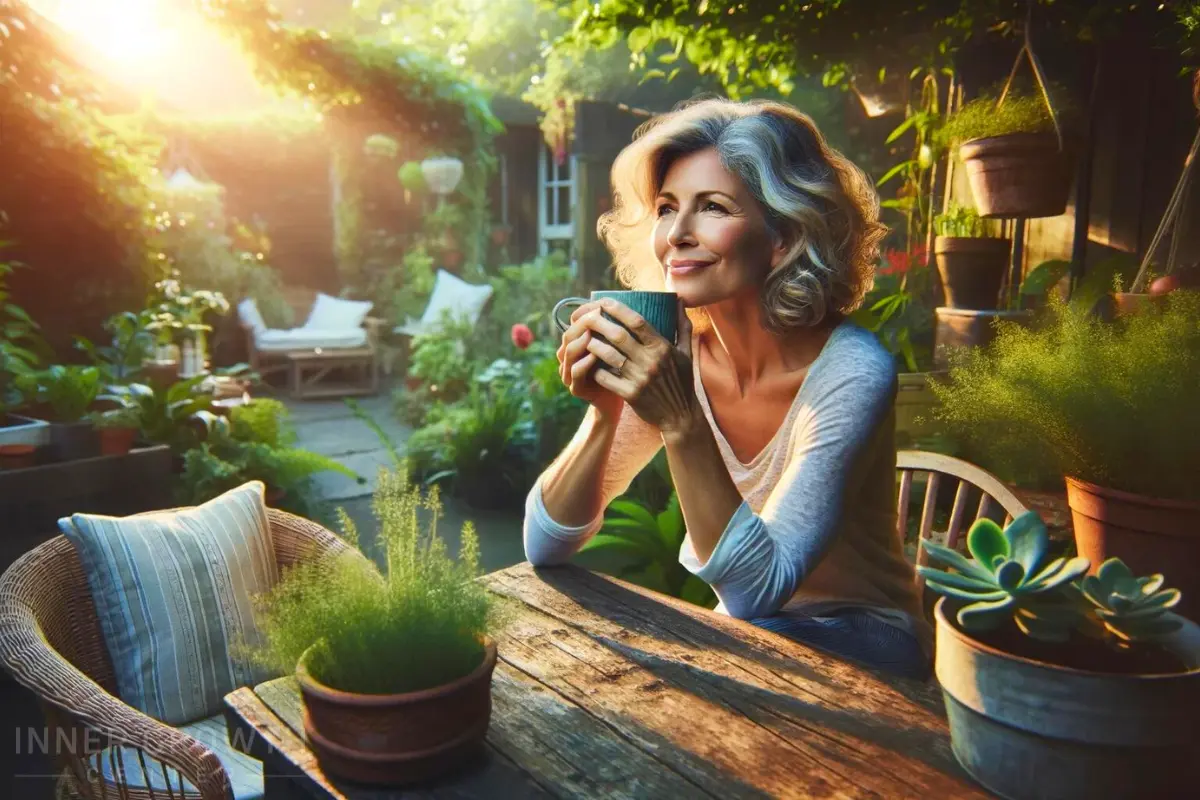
(776, 413)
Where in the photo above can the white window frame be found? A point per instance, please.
(549, 178)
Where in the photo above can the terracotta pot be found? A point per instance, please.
(17, 456)
(500, 235)
(116, 441)
(1149, 534)
(972, 269)
(1130, 303)
(1018, 175)
(160, 374)
(397, 739)
(1028, 729)
(968, 327)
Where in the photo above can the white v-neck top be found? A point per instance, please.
(817, 531)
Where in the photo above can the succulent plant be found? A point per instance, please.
(1009, 577)
(1131, 608)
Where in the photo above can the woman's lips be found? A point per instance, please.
(685, 266)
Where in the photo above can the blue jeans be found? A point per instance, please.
(859, 636)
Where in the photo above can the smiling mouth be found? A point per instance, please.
(684, 266)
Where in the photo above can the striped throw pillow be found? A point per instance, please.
(173, 591)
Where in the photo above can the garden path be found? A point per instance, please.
(329, 427)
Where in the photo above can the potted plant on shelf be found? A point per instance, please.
(395, 668)
(1058, 685)
(117, 428)
(1110, 406)
(1015, 162)
(67, 394)
(971, 259)
(21, 347)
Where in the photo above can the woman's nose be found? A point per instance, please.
(680, 232)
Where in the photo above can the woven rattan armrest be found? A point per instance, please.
(90, 717)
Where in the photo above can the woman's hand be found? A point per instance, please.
(576, 366)
(652, 375)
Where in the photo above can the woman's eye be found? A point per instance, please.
(662, 210)
(711, 206)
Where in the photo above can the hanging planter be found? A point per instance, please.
(1014, 150)
(1018, 175)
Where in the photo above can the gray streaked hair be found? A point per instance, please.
(822, 206)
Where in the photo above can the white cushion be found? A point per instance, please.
(453, 295)
(309, 339)
(249, 315)
(333, 313)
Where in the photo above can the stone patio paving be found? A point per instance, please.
(329, 427)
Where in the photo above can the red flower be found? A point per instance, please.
(522, 337)
(899, 262)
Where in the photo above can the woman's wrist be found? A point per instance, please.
(686, 429)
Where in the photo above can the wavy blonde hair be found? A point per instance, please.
(822, 206)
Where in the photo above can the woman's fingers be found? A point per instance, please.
(579, 371)
(616, 335)
(622, 387)
(586, 308)
(607, 353)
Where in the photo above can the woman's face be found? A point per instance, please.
(710, 236)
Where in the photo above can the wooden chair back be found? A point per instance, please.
(993, 495)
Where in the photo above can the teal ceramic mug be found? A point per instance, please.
(660, 309)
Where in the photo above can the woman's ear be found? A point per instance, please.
(780, 250)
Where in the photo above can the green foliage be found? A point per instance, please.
(1108, 403)
(203, 247)
(78, 181)
(20, 341)
(412, 178)
(964, 221)
(419, 625)
(69, 391)
(132, 343)
(897, 311)
(650, 542)
(1009, 578)
(179, 416)
(980, 118)
(256, 445)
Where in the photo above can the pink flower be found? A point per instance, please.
(522, 336)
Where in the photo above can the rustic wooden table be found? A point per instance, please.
(606, 690)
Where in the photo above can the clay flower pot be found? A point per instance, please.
(116, 441)
(1149, 534)
(1018, 175)
(972, 269)
(397, 739)
(17, 456)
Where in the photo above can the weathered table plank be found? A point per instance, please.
(604, 689)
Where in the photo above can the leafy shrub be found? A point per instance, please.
(417, 626)
(257, 445)
(69, 391)
(1108, 403)
(650, 543)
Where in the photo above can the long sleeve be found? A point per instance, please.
(546, 541)
(761, 559)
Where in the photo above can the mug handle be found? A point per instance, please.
(564, 303)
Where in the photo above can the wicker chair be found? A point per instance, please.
(51, 643)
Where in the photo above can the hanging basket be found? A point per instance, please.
(1018, 175)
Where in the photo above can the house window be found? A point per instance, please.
(556, 204)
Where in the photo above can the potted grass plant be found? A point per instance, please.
(971, 258)
(1110, 406)
(1014, 159)
(394, 668)
(1061, 686)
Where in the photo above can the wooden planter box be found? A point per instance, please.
(32, 500)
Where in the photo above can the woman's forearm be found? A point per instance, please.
(573, 486)
(707, 494)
